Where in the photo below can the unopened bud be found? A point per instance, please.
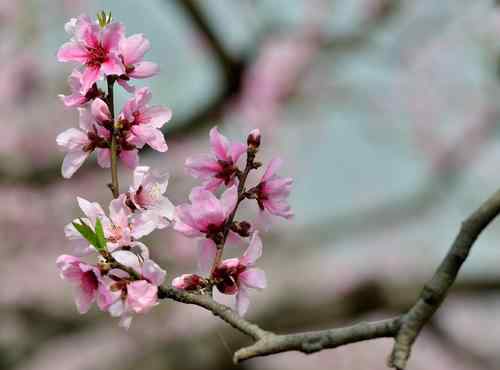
(253, 139)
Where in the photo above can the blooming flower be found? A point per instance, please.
(188, 282)
(132, 50)
(220, 168)
(233, 276)
(140, 123)
(79, 144)
(133, 297)
(86, 281)
(206, 215)
(77, 99)
(119, 229)
(126, 152)
(146, 198)
(272, 191)
(94, 47)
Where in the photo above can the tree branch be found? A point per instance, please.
(436, 290)
(317, 341)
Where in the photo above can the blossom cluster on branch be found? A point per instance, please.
(109, 264)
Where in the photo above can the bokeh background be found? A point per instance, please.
(386, 113)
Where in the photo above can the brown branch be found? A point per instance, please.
(114, 186)
(436, 290)
(312, 342)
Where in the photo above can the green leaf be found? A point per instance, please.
(87, 232)
(99, 232)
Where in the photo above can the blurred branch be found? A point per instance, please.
(436, 290)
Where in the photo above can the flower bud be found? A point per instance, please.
(253, 139)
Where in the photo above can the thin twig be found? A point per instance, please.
(115, 186)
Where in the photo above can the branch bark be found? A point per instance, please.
(436, 290)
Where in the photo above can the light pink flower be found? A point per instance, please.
(272, 191)
(206, 214)
(141, 123)
(119, 228)
(86, 281)
(126, 152)
(187, 282)
(220, 168)
(80, 143)
(95, 48)
(146, 198)
(235, 276)
(132, 50)
(133, 297)
(77, 99)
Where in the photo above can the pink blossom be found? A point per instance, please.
(132, 50)
(77, 99)
(220, 168)
(119, 228)
(140, 123)
(79, 143)
(188, 282)
(94, 47)
(127, 153)
(206, 215)
(235, 276)
(146, 197)
(86, 281)
(133, 297)
(272, 191)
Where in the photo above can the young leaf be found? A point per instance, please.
(101, 239)
(87, 233)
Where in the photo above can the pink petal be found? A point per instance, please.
(154, 273)
(72, 162)
(157, 116)
(86, 120)
(72, 139)
(242, 301)
(206, 255)
(272, 168)
(74, 100)
(130, 158)
(142, 98)
(254, 250)
(119, 212)
(142, 224)
(128, 88)
(152, 136)
(111, 35)
(103, 157)
(253, 278)
(144, 70)
(84, 299)
(141, 296)
(112, 66)
(100, 111)
(133, 48)
(202, 166)
(89, 77)
(228, 200)
(92, 210)
(220, 144)
(236, 151)
(72, 52)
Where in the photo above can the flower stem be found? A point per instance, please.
(114, 186)
(242, 177)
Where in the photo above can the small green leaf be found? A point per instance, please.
(101, 239)
(87, 232)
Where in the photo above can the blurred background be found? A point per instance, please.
(386, 113)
